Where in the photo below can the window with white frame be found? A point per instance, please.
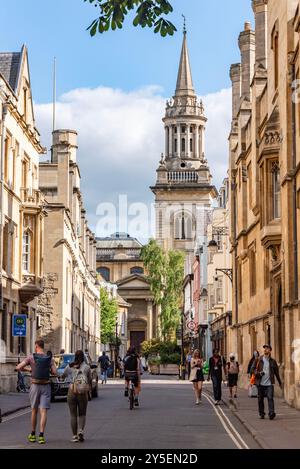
(27, 246)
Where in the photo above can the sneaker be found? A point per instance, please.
(42, 440)
(216, 402)
(272, 416)
(75, 439)
(32, 438)
(262, 416)
(136, 402)
(197, 402)
(126, 393)
(81, 436)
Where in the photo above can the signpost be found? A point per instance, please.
(19, 329)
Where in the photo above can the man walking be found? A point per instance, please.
(217, 366)
(104, 365)
(265, 370)
(42, 365)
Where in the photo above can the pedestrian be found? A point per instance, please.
(41, 366)
(104, 363)
(265, 369)
(62, 351)
(252, 360)
(121, 367)
(232, 371)
(188, 360)
(253, 391)
(132, 372)
(79, 374)
(217, 366)
(196, 376)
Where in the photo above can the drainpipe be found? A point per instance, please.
(2, 155)
(294, 159)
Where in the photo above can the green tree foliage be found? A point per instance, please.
(166, 274)
(148, 13)
(109, 311)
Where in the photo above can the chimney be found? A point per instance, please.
(235, 76)
(247, 48)
(260, 8)
(64, 142)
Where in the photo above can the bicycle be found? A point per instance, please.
(23, 383)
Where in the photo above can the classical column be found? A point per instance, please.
(149, 319)
(167, 130)
(179, 140)
(196, 146)
(200, 146)
(170, 154)
(187, 145)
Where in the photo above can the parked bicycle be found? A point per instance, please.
(24, 382)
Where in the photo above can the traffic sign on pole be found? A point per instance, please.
(19, 325)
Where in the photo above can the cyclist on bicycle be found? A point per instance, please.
(132, 373)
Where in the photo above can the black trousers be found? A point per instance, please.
(217, 387)
(266, 392)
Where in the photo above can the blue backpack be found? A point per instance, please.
(42, 367)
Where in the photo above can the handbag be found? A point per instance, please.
(252, 391)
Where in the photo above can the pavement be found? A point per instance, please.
(281, 433)
(13, 402)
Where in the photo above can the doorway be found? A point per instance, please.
(136, 339)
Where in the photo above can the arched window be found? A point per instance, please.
(191, 145)
(105, 273)
(137, 270)
(175, 145)
(183, 227)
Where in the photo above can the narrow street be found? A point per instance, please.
(166, 419)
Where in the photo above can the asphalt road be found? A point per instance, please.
(166, 419)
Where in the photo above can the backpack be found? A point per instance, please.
(41, 369)
(233, 368)
(104, 363)
(131, 363)
(80, 383)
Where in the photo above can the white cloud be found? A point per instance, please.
(121, 138)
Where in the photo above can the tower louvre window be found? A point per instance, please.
(183, 129)
(175, 145)
(183, 145)
(183, 227)
(191, 144)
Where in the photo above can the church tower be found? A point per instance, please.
(183, 190)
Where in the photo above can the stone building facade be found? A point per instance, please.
(69, 306)
(119, 262)
(264, 182)
(22, 211)
(219, 274)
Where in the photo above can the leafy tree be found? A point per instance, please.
(109, 311)
(148, 13)
(166, 274)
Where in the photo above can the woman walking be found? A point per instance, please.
(80, 375)
(196, 376)
(232, 371)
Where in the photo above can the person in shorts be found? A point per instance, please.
(232, 372)
(132, 369)
(196, 375)
(41, 365)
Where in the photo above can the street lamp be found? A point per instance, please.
(213, 247)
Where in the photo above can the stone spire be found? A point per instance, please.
(184, 81)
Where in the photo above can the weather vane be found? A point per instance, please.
(184, 24)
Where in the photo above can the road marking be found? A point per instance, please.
(228, 426)
(16, 415)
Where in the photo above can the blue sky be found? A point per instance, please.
(112, 89)
(124, 59)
